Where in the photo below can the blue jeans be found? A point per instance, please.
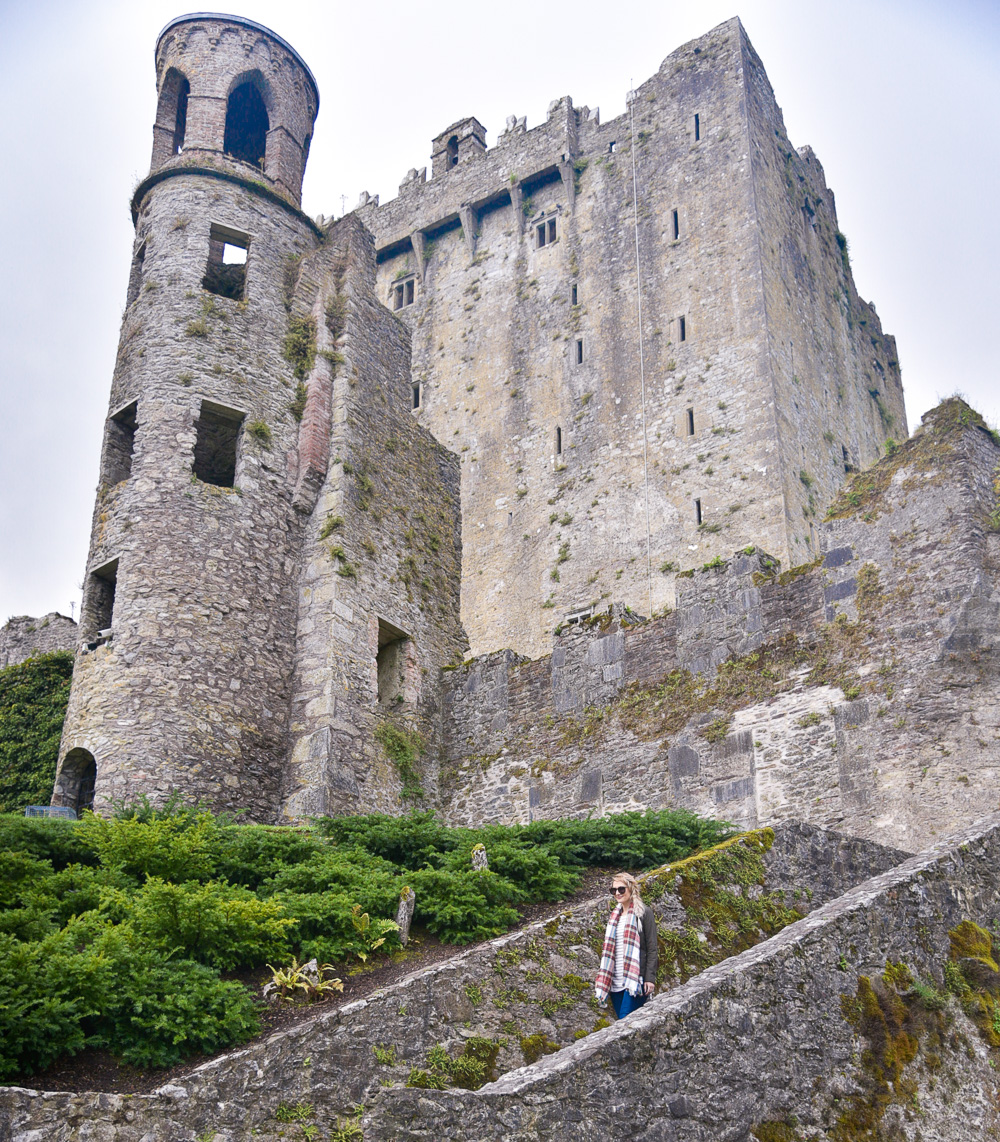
(623, 1003)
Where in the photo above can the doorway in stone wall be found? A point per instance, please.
(78, 780)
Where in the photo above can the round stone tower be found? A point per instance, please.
(188, 614)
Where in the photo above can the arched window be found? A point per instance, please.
(453, 151)
(171, 116)
(247, 125)
(77, 780)
(180, 118)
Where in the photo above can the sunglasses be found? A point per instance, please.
(619, 889)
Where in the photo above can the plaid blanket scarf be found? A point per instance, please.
(630, 972)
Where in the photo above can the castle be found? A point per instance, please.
(340, 458)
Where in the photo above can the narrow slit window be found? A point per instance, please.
(677, 225)
(217, 443)
(697, 128)
(226, 272)
(135, 276)
(690, 422)
(579, 352)
(574, 296)
(180, 121)
(558, 441)
(697, 512)
(682, 329)
(416, 396)
(453, 151)
(120, 445)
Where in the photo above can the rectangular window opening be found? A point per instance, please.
(119, 445)
(697, 512)
(552, 230)
(574, 296)
(579, 352)
(226, 272)
(216, 445)
(416, 396)
(612, 147)
(403, 293)
(690, 421)
(558, 441)
(677, 225)
(99, 604)
(697, 128)
(390, 665)
(540, 235)
(682, 329)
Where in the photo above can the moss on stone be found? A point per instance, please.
(534, 1046)
(722, 892)
(930, 449)
(970, 942)
(775, 1132)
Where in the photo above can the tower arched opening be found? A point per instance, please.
(247, 124)
(171, 114)
(77, 780)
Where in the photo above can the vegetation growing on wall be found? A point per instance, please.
(33, 697)
(929, 450)
(300, 346)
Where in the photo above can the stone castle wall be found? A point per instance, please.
(393, 557)
(23, 636)
(191, 690)
(872, 704)
(500, 324)
(444, 391)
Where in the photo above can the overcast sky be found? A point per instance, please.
(900, 101)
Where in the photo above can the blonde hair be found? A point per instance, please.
(632, 884)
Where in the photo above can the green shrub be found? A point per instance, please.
(164, 1010)
(49, 838)
(33, 697)
(175, 848)
(49, 988)
(221, 925)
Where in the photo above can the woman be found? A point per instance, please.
(628, 961)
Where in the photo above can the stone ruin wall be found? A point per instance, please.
(771, 317)
(886, 728)
(382, 543)
(191, 690)
(23, 636)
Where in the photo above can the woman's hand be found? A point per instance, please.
(650, 988)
